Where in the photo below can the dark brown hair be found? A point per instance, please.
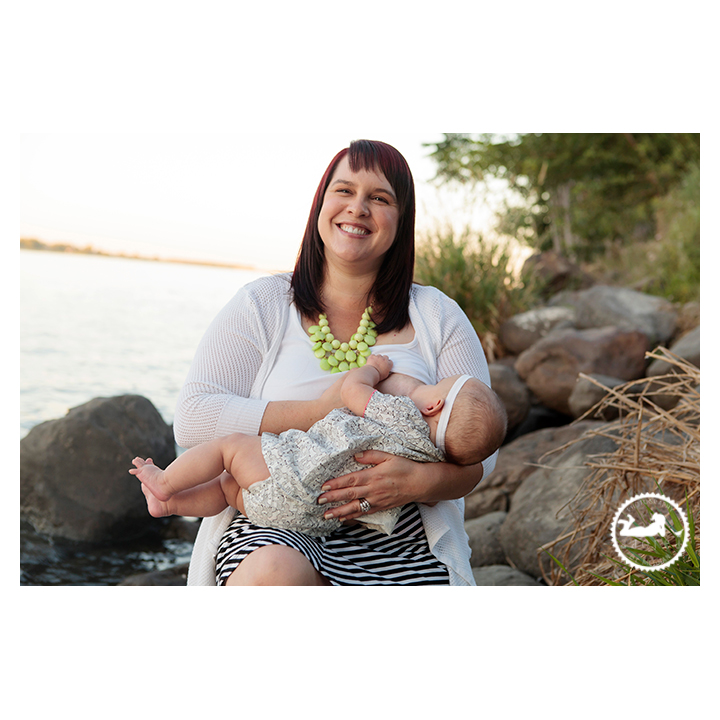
(477, 425)
(391, 291)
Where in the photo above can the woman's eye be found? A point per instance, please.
(380, 198)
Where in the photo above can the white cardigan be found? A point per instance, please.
(221, 396)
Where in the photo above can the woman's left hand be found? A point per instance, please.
(388, 484)
(394, 481)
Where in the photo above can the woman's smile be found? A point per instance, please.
(354, 229)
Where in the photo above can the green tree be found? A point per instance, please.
(574, 192)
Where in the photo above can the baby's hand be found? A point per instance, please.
(332, 397)
(382, 363)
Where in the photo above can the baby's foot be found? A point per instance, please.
(152, 477)
(155, 507)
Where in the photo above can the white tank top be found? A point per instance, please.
(297, 374)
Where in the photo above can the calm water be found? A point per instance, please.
(97, 327)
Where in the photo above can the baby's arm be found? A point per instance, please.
(360, 382)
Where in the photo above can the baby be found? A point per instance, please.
(275, 480)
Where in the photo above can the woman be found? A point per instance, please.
(256, 371)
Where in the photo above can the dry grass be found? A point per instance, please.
(658, 450)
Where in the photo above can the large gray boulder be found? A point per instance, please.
(539, 513)
(502, 575)
(555, 272)
(551, 366)
(484, 541)
(687, 347)
(516, 461)
(512, 391)
(586, 394)
(74, 480)
(521, 331)
(603, 305)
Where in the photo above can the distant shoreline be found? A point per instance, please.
(33, 244)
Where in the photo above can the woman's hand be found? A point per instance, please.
(395, 481)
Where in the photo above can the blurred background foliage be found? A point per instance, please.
(481, 275)
(626, 206)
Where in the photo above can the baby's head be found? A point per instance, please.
(471, 423)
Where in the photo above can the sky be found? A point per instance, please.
(241, 198)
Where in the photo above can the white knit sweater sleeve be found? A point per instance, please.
(216, 399)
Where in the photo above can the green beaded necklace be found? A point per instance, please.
(336, 356)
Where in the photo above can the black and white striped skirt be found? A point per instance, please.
(352, 555)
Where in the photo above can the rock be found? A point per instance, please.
(539, 512)
(181, 528)
(688, 317)
(539, 418)
(555, 272)
(587, 394)
(624, 308)
(551, 366)
(515, 462)
(502, 575)
(484, 541)
(687, 347)
(171, 576)
(521, 331)
(74, 480)
(512, 391)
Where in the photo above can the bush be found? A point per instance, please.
(479, 275)
(678, 219)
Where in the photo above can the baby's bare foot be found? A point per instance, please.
(152, 477)
(155, 507)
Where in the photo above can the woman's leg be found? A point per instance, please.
(276, 565)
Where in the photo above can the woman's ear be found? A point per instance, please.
(433, 407)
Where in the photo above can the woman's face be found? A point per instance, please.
(359, 217)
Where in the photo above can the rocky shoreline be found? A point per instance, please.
(560, 361)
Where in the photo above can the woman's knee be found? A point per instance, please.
(276, 565)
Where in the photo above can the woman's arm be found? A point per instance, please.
(215, 399)
(281, 415)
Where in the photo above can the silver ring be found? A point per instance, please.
(365, 505)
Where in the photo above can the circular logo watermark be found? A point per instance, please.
(650, 531)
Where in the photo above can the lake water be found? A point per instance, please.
(95, 326)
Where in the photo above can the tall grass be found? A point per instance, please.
(657, 449)
(480, 275)
(685, 569)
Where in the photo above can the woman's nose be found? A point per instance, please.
(358, 206)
